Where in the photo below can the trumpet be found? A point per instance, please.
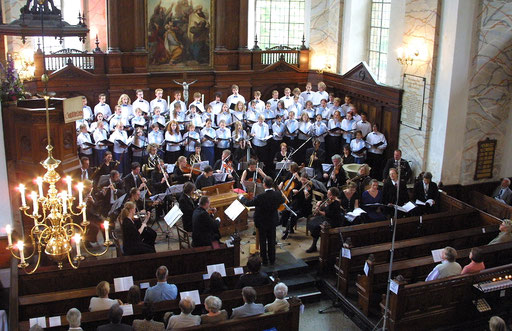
(164, 173)
(146, 185)
(311, 159)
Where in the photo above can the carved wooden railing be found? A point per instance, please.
(298, 56)
(59, 59)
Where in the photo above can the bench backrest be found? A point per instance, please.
(490, 205)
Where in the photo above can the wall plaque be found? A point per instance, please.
(413, 101)
(485, 159)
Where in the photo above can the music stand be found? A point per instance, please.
(173, 216)
(280, 244)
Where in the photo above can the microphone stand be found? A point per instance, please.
(336, 303)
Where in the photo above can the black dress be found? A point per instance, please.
(132, 240)
(332, 216)
(348, 205)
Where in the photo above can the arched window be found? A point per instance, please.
(379, 37)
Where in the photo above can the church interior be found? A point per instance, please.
(256, 165)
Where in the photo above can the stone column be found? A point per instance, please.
(112, 26)
(139, 26)
(220, 25)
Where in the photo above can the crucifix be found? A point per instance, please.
(185, 87)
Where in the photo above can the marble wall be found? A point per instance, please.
(11, 12)
(490, 92)
(422, 20)
(325, 33)
(95, 13)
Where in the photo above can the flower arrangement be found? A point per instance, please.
(11, 88)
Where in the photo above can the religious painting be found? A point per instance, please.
(179, 34)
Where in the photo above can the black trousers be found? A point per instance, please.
(267, 244)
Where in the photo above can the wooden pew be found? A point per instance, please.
(443, 302)
(408, 249)
(490, 205)
(230, 299)
(58, 303)
(380, 232)
(370, 286)
(50, 278)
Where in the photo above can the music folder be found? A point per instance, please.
(326, 167)
(173, 216)
(194, 295)
(220, 268)
(220, 177)
(88, 144)
(234, 210)
(105, 142)
(121, 143)
(122, 284)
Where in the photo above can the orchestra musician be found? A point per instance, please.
(301, 198)
(315, 156)
(148, 235)
(226, 165)
(160, 179)
(196, 157)
(362, 180)
(328, 211)
(336, 175)
(187, 205)
(182, 171)
(109, 192)
(253, 172)
(282, 156)
(134, 179)
(205, 229)
(132, 239)
(84, 172)
(93, 216)
(206, 178)
(104, 168)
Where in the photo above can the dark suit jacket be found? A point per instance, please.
(78, 174)
(406, 171)
(267, 203)
(129, 182)
(320, 154)
(389, 193)
(187, 206)
(432, 193)
(204, 228)
(103, 201)
(115, 327)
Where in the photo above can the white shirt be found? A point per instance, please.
(334, 124)
(199, 106)
(103, 108)
(364, 127)
(126, 112)
(119, 135)
(224, 116)
(78, 123)
(171, 107)
(161, 103)
(260, 131)
(347, 125)
(142, 105)
(210, 132)
(155, 137)
(173, 138)
(273, 103)
(260, 106)
(216, 106)
(88, 114)
(235, 98)
(81, 139)
(357, 145)
(278, 131)
(291, 125)
(224, 134)
(160, 119)
(318, 96)
(191, 146)
(196, 120)
(139, 120)
(306, 128)
(374, 138)
(307, 96)
(318, 129)
(296, 108)
(98, 136)
(288, 100)
(116, 119)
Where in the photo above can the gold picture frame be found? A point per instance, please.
(179, 34)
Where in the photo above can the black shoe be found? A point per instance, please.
(311, 249)
(285, 235)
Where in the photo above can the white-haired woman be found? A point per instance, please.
(213, 305)
(280, 303)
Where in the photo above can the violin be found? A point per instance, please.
(187, 169)
(337, 169)
(228, 167)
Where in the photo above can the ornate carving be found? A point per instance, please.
(25, 144)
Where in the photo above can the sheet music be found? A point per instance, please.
(366, 268)
(220, 268)
(407, 207)
(143, 285)
(194, 295)
(122, 284)
(203, 164)
(173, 216)
(326, 167)
(239, 271)
(220, 177)
(310, 172)
(234, 210)
(419, 203)
(437, 255)
(393, 287)
(283, 165)
(345, 252)
(158, 197)
(175, 189)
(127, 309)
(54, 321)
(41, 321)
(170, 168)
(117, 204)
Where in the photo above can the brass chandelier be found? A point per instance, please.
(54, 230)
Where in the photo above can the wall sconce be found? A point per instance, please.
(323, 63)
(24, 64)
(406, 56)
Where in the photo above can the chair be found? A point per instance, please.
(183, 238)
(117, 243)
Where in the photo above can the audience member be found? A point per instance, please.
(496, 323)
(477, 262)
(503, 193)
(102, 301)
(185, 319)
(280, 303)
(114, 316)
(217, 284)
(162, 290)
(448, 267)
(249, 308)
(74, 318)
(426, 191)
(505, 234)
(147, 324)
(134, 295)
(213, 305)
(254, 276)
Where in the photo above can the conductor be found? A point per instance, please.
(266, 219)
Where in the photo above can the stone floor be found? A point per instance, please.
(332, 320)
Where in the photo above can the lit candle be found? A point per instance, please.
(33, 196)
(80, 187)
(202, 99)
(105, 225)
(84, 215)
(22, 254)
(68, 180)
(22, 192)
(8, 230)
(39, 182)
(77, 243)
(168, 100)
(64, 197)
